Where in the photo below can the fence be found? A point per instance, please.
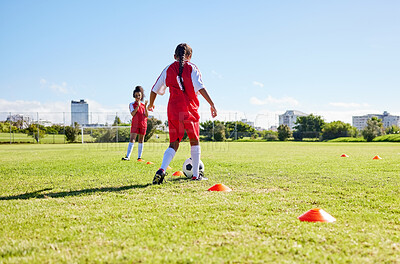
(50, 126)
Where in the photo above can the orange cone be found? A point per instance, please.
(149, 162)
(344, 156)
(376, 157)
(169, 168)
(220, 188)
(316, 215)
(140, 160)
(177, 173)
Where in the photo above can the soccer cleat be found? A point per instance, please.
(159, 177)
(200, 177)
(140, 160)
(125, 158)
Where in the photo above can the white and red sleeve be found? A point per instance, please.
(160, 86)
(131, 107)
(196, 79)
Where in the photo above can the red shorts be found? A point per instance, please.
(177, 130)
(138, 130)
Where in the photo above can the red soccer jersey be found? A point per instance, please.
(182, 105)
(139, 120)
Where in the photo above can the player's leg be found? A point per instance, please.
(140, 146)
(130, 146)
(176, 132)
(193, 132)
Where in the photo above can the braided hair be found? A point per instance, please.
(183, 51)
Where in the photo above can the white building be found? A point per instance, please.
(360, 122)
(289, 118)
(79, 112)
(21, 120)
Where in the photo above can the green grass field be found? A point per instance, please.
(79, 203)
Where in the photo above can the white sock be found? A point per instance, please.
(140, 150)
(168, 156)
(130, 147)
(195, 151)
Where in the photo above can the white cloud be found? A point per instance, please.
(284, 101)
(216, 74)
(59, 88)
(255, 83)
(62, 88)
(33, 106)
(349, 105)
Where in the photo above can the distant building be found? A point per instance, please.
(247, 122)
(289, 118)
(273, 128)
(20, 121)
(45, 123)
(79, 112)
(360, 122)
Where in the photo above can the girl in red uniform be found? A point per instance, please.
(139, 122)
(184, 81)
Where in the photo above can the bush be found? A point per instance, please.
(337, 129)
(388, 138)
(152, 124)
(392, 130)
(308, 127)
(347, 139)
(373, 129)
(219, 132)
(71, 132)
(284, 132)
(33, 129)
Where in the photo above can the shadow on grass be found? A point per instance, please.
(180, 179)
(38, 194)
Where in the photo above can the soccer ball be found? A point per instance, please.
(187, 167)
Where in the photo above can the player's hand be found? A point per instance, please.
(150, 107)
(213, 111)
(145, 102)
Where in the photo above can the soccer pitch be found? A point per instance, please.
(80, 203)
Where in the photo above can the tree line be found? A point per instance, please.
(71, 133)
(306, 127)
(313, 126)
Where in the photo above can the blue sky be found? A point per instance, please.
(257, 58)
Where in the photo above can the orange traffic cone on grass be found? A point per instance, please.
(169, 168)
(149, 162)
(344, 156)
(376, 157)
(178, 173)
(220, 188)
(316, 215)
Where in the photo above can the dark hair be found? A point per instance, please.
(182, 51)
(138, 89)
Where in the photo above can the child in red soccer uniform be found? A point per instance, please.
(139, 122)
(184, 81)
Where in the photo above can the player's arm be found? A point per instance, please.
(134, 110)
(146, 113)
(204, 93)
(200, 88)
(153, 96)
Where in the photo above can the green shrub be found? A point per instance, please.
(388, 138)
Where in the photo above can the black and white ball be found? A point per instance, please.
(188, 167)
